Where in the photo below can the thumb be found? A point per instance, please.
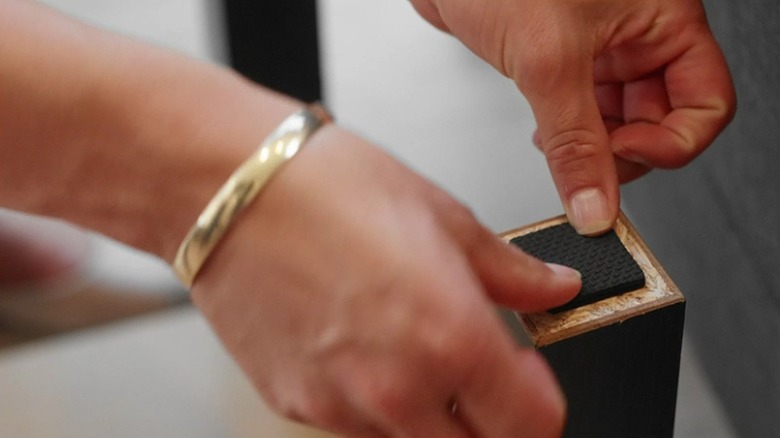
(572, 135)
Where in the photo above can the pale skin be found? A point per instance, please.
(369, 318)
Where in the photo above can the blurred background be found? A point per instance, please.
(121, 353)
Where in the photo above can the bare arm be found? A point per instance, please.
(124, 138)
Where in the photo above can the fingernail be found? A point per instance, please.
(564, 271)
(589, 212)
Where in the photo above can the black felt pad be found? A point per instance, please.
(606, 266)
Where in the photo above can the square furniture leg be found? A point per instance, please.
(617, 359)
(275, 43)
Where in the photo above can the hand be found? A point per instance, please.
(617, 87)
(357, 297)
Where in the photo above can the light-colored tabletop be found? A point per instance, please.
(162, 375)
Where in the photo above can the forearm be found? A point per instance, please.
(120, 137)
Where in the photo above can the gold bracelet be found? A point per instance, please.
(242, 187)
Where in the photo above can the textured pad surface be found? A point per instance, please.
(606, 266)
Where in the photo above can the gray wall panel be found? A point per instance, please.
(715, 225)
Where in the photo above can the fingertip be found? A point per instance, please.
(536, 286)
(590, 212)
(517, 280)
(564, 272)
(568, 283)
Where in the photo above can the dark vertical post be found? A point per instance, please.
(716, 226)
(618, 359)
(276, 44)
(621, 380)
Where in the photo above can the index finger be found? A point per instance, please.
(576, 146)
(561, 92)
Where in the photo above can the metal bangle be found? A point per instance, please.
(242, 187)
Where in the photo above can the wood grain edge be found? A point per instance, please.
(544, 328)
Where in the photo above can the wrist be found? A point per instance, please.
(198, 157)
(120, 137)
(243, 186)
(183, 127)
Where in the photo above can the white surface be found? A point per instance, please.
(166, 375)
(163, 375)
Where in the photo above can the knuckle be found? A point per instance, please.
(462, 216)
(323, 413)
(307, 407)
(458, 218)
(551, 58)
(571, 144)
(677, 159)
(452, 207)
(572, 151)
(284, 406)
(729, 109)
(466, 354)
(387, 395)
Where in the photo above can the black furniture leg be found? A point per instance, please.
(617, 358)
(275, 43)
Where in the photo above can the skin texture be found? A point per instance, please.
(357, 296)
(617, 87)
(388, 295)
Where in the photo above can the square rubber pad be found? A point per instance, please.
(606, 266)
